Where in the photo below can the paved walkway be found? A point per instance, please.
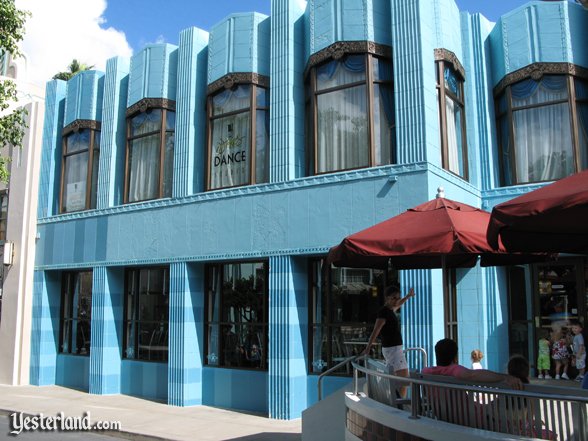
(144, 419)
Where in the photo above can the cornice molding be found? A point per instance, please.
(151, 103)
(442, 54)
(229, 80)
(80, 124)
(339, 49)
(537, 70)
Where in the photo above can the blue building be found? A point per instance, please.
(188, 195)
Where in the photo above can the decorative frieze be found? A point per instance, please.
(80, 124)
(536, 72)
(446, 55)
(229, 80)
(341, 48)
(151, 103)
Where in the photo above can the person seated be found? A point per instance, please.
(446, 355)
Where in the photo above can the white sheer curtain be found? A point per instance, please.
(230, 162)
(452, 132)
(144, 157)
(75, 175)
(542, 135)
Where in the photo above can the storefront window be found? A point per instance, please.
(81, 156)
(236, 315)
(3, 214)
(343, 310)
(146, 316)
(76, 313)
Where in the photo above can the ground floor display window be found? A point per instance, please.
(146, 314)
(236, 314)
(343, 306)
(76, 313)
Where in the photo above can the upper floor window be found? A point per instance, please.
(450, 93)
(81, 156)
(3, 214)
(76, 313)
(542, 124)
(350, 112)
(150, 150)
(238, 127)
(146, 314)
(236, 317)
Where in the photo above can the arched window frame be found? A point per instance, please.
(335, 52)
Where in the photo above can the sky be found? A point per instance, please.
(93, 31)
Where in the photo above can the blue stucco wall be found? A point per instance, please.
(84, 97)
(237, 389)
(73, 371)
(144, 379)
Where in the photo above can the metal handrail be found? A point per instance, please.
(334, 368)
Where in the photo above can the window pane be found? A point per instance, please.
(262, 146)
(95, 168)
(505, 144)
(320, 355)
(452, 83)
(153, 301)
(170, 120)
(543, 143)
(454, 136)
(549, 88)
(230, 150)
(212, 358)
(354, 294)
(335, 73)
(3, 214)
(144, 168)
(262, 97)
(76, 313)
(343, 140)
(146, 122)
(74, 185)
(502, 104)
(230, 100)
(583, 134)
(153, 341)
(168, 166)
(76, 142)
(382, 69)
(383, 124)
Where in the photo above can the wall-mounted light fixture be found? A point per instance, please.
(8, 252)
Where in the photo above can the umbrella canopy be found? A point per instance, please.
(553, 218)
(437, 234)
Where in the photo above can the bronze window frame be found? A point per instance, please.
(144, 106)
(450, 308)
(536, 72)
(94, 147)
(68, 279)
(135, 273)
(335, 52)
(208, 321)
(230, 81)
(443, 59)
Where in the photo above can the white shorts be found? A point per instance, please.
(395, 359)
(581, 362)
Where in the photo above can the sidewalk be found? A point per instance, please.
(144, 419)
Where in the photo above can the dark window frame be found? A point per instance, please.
(450, 307)
(230, 81)
(209, 322)
(3, 214)
(503, 91)
(145, 106)
(335, 52)
(135, 322)
(94, 127)
(445, 58)
(67, 320)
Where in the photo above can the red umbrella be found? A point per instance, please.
(437, 234)
(553, 218)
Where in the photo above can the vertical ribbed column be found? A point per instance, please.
(49, 180)
(414, 81)
(288, 333)
(106, 343)
(44, 328)
(186, 312)
(422, 316)
(189, 149)
(287, 91)
(112, 140)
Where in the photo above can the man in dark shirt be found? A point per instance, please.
(388, 327)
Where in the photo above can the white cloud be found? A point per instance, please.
(61, 30)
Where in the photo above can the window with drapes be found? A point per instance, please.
(350, 113)
(542, 128)
(450, 94)
(79, 179)
(76, 313)
(238, 123)
(236, 317)
(344, 303)
(3, 214)
(146, 314)
(150, 154)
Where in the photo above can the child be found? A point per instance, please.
(477, 356)
(579, 359)
(543, 358)
(559, 352)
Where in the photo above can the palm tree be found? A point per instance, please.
(75, 68)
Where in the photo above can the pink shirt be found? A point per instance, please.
(453, 370)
